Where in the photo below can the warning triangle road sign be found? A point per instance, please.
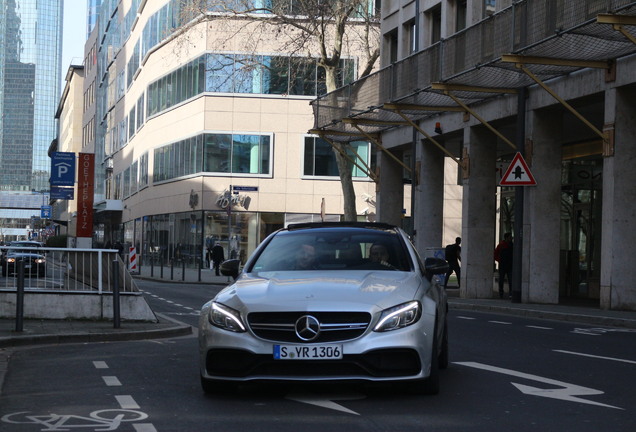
(518, 173)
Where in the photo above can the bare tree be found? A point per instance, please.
(323, 30)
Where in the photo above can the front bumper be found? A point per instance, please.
(403, 354)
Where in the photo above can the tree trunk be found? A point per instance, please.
(344, 165)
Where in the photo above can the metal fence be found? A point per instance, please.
(65, 270)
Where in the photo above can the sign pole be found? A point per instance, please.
(517, 250)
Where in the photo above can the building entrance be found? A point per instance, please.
(581, 206)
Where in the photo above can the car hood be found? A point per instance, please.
(17, 254)
(320, 290)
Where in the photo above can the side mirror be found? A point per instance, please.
(435, 266)
(230, 268)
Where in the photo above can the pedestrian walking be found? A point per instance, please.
(503, 256)
(453, 256)
(217, 257)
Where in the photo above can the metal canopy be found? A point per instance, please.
(528, 43)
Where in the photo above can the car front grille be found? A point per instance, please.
(384, 363)
(334, 326)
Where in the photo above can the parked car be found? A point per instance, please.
(328, 302)
(23, 251)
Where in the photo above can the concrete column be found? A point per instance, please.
(619, 209)
(542, 210)
(478, 214)
(429, 198)
(390, 196)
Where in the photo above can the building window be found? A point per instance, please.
(143, 171)
(460, 15)
(434, 18)
(320, 160)
(233, 73)
(214, 153)
(410, 36)
(391, 43)
(489, 7)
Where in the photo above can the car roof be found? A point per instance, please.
(316, 225)
(25, 243)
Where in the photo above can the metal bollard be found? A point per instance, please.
(116, 310)
(161, 262)
(183, 270)
(172, 269)
(19, 299)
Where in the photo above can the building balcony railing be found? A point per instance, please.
(551, 39)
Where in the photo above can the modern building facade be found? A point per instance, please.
(199, 140)
(468, 84)
(30, 56)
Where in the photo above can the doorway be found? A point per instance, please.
(581, 205)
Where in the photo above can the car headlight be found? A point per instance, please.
(40, 260)
(399, 316)
(226, 318)
(10, 260)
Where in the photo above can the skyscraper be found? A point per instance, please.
(30, 65)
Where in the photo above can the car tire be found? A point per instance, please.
(430, 385)
(217, 387)
(443, 355)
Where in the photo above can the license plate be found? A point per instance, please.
(27, 266)
(307, 352)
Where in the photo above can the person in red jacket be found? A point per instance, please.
(503, 256)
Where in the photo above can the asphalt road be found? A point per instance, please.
(506, 374)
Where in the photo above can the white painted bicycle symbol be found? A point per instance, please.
(102, 420)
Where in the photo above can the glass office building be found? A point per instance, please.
(30, 67)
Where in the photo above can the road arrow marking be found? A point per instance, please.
(596, 357)
(325, 401)
(567, 392)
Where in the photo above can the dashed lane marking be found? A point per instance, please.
(127, 402)
(111, 381)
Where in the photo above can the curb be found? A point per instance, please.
(549, 315)
(117, 335)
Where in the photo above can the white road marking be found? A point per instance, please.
(325, 401)
(595, 356)
(539, 327)
(111, 381)
(144, 427)
(567, 392)
(100, 365)
(127, 402)
(587, 332)
(466, 318)
(500, 322)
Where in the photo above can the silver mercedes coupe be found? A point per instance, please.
(328, 302)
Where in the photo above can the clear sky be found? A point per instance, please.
(74, 34)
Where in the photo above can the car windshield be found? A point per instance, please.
(335, 249)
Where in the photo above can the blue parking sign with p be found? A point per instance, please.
(62, 169)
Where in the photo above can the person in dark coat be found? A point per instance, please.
(217, 257)
(503, 256)
(453, 256)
